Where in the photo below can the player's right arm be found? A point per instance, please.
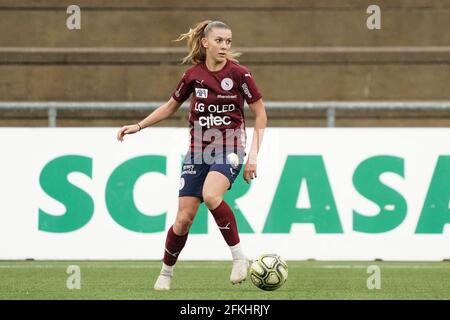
(162, 112)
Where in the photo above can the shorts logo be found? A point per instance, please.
(188, 169)
(201, 93)
(227, 84)
(233, 160)
(181, 183)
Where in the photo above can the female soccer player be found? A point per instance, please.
(219, 86)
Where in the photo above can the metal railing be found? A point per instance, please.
(329, 106)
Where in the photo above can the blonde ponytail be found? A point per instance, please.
(197, 53)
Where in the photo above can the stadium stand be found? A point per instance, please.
(297, 50)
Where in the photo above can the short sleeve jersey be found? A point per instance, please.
(217, 105)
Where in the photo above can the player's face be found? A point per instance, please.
(217, 44)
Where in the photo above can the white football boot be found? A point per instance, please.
(162, 283)
(164, 278)
(239, 271)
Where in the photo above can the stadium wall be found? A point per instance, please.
(328, 194)
(124, 50)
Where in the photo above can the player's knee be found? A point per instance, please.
(182, 224)
(212, 201)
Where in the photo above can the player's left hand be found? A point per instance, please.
(249, 172)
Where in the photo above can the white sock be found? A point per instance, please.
(237, 253)
(166, 270)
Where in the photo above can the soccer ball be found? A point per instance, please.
(269, 272)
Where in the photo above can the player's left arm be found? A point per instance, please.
(259, 111)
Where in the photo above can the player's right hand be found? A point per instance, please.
(130, 129)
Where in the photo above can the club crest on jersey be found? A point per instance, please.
(201, 93)
(227, 84)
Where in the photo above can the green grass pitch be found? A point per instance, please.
(210, 280)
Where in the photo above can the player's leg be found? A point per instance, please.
(215, 186)
(176, 239)
(191, 183)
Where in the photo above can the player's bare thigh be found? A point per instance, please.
(187, 209)
(215, 186)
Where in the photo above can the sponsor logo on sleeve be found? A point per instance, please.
(177, 92)
(246, 90)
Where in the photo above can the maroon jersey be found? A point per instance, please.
(216, 113)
